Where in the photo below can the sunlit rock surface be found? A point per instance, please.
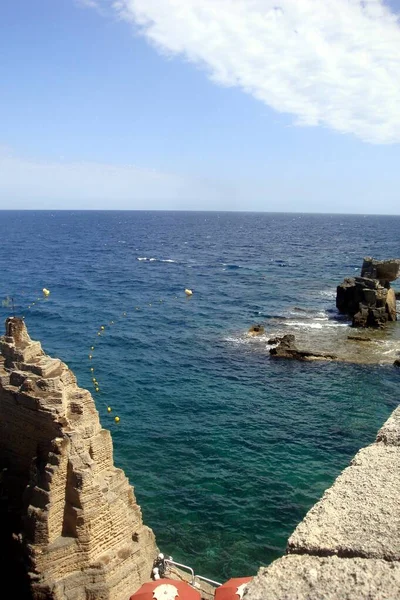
(348, 545)
(74, 514)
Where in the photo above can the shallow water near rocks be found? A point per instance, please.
(227, 448)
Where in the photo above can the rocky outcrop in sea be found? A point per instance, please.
(369, 300)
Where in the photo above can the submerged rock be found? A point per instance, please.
(256, 330)
(273, 341)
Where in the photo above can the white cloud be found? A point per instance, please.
(334, 63)
(28, 183)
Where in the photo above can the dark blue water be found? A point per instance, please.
(227, 449)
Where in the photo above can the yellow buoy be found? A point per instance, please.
(46, 292)
(102, 327)
(92, 369)
(109, 409)
(97, 389)
(92, 347)
(90, 357)
(98, 333)
(116, 419)
(188, 292)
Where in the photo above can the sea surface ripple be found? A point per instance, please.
(226, 448)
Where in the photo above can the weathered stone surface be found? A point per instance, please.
(348, 545)
(328, 578)
(389, 433)
(257, 329)
(360, 514)
(286, 348)
(384, 270)
(370, 317)
(390, 305)
(368, 299)
(348, 296)
(75, 514)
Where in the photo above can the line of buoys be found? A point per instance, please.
(9, 301)
(102, 330)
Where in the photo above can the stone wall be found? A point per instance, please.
(348, 545)
(70, 512)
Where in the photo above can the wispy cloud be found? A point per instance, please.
(330, 63)
(87, 3)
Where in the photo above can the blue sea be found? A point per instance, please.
(227, 448)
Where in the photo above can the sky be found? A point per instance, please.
(255, 105)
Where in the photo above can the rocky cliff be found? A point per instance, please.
(71, 513)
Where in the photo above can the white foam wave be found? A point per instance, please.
(319, 316)
(313, 324)
(146, 259)
(247, 339)
(237, 340)
(328, 293)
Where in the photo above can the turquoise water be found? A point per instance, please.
(226, 448)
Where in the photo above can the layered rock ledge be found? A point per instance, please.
(348, 545)
(71, 514)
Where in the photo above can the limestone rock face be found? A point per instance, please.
(384, 270)
(347, 547)
(369, 299)
(360, 514)
(389, 433)
(286, 348)
(79, 527)
(326, 578)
